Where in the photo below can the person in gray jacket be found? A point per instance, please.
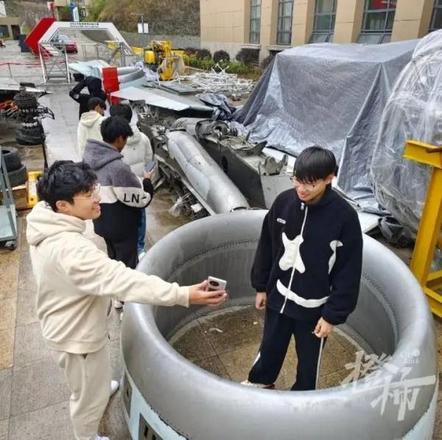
(122, 193)
(137, 153)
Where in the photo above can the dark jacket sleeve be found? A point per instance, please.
(346, 274)
(148, 187)
(75, 92)
(262, 264)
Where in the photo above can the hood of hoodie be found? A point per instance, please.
(135, 138)
(89, 118)
(94, 87)
(43, 222)
(98, 154)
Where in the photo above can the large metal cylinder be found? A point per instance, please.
(204, 175)
(169, 397)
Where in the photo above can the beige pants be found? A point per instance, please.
(88, 377)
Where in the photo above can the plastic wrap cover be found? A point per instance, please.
(413, 111)
(331, 95)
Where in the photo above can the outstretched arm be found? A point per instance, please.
(94, 273)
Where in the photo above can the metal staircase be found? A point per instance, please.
(54, 62)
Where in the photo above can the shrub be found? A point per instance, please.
(95, 8)
(248, 56)
(65, 13)
(190, 51)
(221, 56)
(193, 61)
(238, 68)
(206, 63)
(203, 53)
(230, 67)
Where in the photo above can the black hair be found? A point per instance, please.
(315, 163)
(122, 110)
(63, 180)
(94, 86)
(113, 127)
(93, 102)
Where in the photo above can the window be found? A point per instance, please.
(436, 19)
(255, 21)
(285, 12)
(4, 31)
(324, 21)
(377, 22)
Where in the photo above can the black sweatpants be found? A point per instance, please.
(278, 330)
(124, 250)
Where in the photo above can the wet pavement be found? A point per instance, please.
(33, 395)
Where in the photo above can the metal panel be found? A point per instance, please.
(161, 98)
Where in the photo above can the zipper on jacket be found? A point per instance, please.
(297, 255)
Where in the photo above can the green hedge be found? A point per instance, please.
(230, 66)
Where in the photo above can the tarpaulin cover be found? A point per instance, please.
(413, 111)
(331, 95)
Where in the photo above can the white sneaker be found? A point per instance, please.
(118, 304)
(114, 387)
(258, 385)
(141, 255)
(97, 437)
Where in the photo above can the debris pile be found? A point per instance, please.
(219, 81)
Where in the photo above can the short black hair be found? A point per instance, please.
(93, 102)
(122, 110)
(113, 127)
(63, 180)
(315, 163)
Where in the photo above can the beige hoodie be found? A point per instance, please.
(75, 282)
(89, 127)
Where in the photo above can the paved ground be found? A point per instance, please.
(226, 343)
(33, 396)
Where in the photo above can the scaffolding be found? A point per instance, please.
(54, 58)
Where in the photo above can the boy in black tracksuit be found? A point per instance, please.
(306, 271)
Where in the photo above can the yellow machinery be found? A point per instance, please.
(168, 62)
(429, 232)
(32, 187)
(159, 55)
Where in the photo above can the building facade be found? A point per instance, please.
(269, 26)
(9, 28)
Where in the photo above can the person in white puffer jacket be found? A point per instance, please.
(136, 154)
(90, 124)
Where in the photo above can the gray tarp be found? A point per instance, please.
(413, 111)
(331, 95)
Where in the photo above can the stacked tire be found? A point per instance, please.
(30, 131)
(17, 173)
(25, 101)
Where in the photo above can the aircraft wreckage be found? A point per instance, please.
(223, 173)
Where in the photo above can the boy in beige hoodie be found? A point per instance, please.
(89, 126)
(75, 283)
